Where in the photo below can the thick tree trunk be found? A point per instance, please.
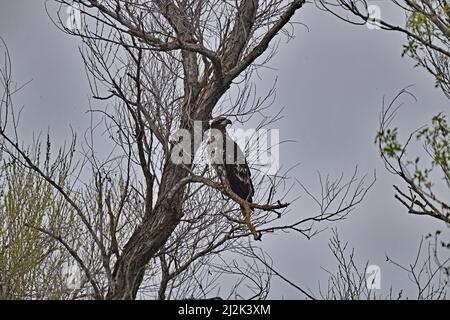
(198, 104)
(159, 224)
(149, 237)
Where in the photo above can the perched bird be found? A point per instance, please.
(229, 161)
(230, 164)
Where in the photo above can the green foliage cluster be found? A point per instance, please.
(31, 263)
(428, 33)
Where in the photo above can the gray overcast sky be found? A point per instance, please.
(331, 80)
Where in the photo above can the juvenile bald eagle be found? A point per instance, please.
(229, 161)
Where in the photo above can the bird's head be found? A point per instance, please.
(220, 123)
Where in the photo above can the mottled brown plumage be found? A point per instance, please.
(229, 161)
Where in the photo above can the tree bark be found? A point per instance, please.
(148, 238)
(198, 103)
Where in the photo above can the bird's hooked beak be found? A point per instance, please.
(229, 122)
(219, 123)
